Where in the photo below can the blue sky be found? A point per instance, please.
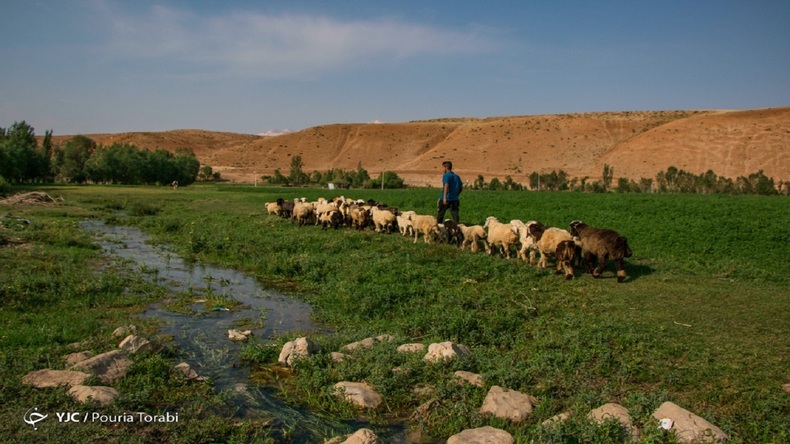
(91, 66)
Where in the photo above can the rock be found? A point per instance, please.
(297, 349)
(411, 348)
(385, 338)
(98, 394)
(365, 343)
(189, 374)
(618, 412)
(482, 435)
(133, 344)
(423, 390)
(121, 332)
(786, 388)
(239, 335)
(508, 404)
(424, 410)
(53, 378)
(688, 427)
(362, 436)
(445, 350)
(469, 377)
(338, 357)
(556, 419)
(74, 358)
(358, 393)
(107, 367)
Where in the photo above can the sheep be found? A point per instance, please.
(603, 244)
(500, 234)
(359, 217)
(404, 223)
(323, 208)
(566, 253)
(303, 213)
(383, 219)
(272, 208)
(471, 234)
(546, 240)
(286, 207)
(452, 233)
(426, 225)
(525, 241)
(331, 218)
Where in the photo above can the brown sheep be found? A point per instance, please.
(566, 254)
(603, 244)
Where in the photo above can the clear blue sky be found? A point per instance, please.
(89, 66)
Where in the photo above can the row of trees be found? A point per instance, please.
(80, 160)
(358, 178)
(673, 180)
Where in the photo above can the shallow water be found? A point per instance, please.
(201, 334)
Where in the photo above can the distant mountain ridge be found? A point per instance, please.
(635, 143)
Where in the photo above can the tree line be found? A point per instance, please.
(81, 160)
(358, 178)
(673, 180)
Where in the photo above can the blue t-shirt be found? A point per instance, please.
(455, 186)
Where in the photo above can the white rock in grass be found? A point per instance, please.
(411, 348)
(508, 404)
(297, 349)
(239, 335)
(358, 393)
(445, 351)
(618, 412)
(482, 435)
(556, 419)
(134, 344)
(98, 394)
(471, 378)
(688, 427)
(53, 378)
(107, 367)
(121, 332)
(362, 436)
(189, 374)
(75, 358)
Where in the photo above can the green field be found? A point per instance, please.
(702, 320)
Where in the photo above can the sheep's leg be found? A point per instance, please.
(588, 260)
(601, 266)
(620, 264)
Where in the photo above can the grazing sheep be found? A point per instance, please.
(566, 253)
(500, 234)
(272, 208)
(359, 217)
(426, 225)
(472, 234)
(331, 218)
(603, 244)
(546, 240)
(303, 213)
(383, 219)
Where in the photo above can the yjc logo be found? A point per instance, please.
(32, 417)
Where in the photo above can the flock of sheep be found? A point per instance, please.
(567, 247)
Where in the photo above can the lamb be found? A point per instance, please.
(331, 218)
(471, 235)
(426, 225)
(566, 253)
(359, 217)
(546, 240)
(500, 234)
(601, 243)
(452, 233)
(404, 223)
(383, 219)
(526, 242)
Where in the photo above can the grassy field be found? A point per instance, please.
(702, 320)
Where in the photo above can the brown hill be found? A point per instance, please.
(636, 144)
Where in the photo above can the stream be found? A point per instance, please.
(201, 332)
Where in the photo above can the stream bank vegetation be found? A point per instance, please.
(702, 321)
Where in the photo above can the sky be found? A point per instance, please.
(110, 66)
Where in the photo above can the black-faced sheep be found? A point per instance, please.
(566, 253)
(603, 244)
(452, 232)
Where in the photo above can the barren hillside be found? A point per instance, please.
(636, 144)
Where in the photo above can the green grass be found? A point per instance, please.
(701, 321)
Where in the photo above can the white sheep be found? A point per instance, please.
(525, 241)
(500, 234)
(303, 213)
(426, 225)
(273, 208)
(546, 240)
(472, 234)
(404, 223)
(384, 220)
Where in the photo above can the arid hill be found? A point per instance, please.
(637, 144)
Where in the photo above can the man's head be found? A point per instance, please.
(447, 164)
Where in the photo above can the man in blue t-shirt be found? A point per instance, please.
(451, 191)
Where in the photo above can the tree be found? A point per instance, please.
(296, 176)
(608, 175)
(69, 160)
